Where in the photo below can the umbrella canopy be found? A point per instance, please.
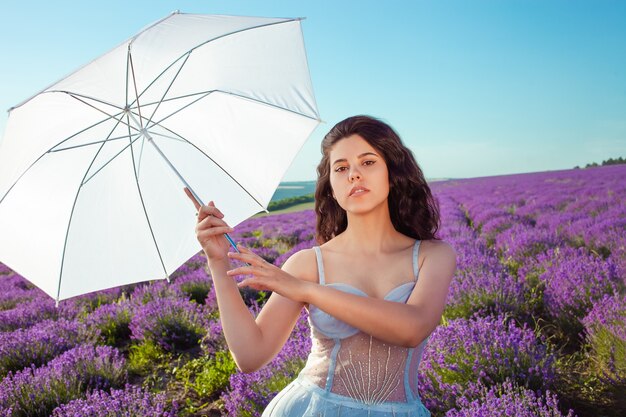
(90, 189)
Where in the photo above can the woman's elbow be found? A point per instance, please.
(250, 364)
(247, 367)
(415, 337)
(413, 340)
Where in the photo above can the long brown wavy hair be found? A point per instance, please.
(414, 211)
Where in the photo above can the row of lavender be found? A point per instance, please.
(536, 312)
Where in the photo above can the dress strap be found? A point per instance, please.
(416, 248)
(320, 265)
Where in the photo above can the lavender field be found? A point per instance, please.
(535, 323)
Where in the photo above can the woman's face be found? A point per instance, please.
(358, 175)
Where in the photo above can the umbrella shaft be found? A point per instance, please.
(147, 136)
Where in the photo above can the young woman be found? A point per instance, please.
(375, 288)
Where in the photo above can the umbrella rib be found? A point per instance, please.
(177, 98)
(90, 143)
(67, 232)
(216, 164)
(132, 71)
(97, 100)
(204, 94)
(166, 91)
(78, 133)
(114, 156)
(126, 79)
(180, 109)
(167, 136)
(51, 150)
(101, 111)
(143, 205)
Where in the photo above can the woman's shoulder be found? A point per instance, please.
(439, 249)
(302, 264)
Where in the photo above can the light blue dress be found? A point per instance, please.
(350, 373)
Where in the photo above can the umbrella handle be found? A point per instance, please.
(232, 242)
(199, 201)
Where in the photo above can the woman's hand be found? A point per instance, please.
(210, 230)
(266, 276)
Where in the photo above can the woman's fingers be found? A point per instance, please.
(192, 198)
(249, 257)
(242, 270)
(210, 221)
(252, 283)
(214, 231)
(209, 211)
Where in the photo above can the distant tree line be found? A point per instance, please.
(291, 201)
(609, 161)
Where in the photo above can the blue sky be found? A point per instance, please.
(475, 88)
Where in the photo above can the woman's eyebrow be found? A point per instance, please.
(359, 157)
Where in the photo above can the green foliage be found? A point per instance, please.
(281, 379)
(115, 331)
(608, 356)
(196, 290)
(609, 161)
(292, 201)
(146, 357)
(477, 302)
(207, 376)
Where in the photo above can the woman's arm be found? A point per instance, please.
(396, 323)
(252, 342)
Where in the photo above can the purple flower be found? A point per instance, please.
(466, 354)
(130, 401)
(36, 345)
(250, 393)
(572, 280)
(508, 399)
(605, 328)
(172, 323)
(37, 391)
(109, 324)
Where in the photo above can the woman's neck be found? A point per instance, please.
(371, 233)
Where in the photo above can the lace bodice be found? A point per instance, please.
(349, 362)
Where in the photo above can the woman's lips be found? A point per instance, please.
(358, 190)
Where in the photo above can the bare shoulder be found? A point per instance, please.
(438, 251)
(303, 265)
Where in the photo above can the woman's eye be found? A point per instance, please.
(369, 162)
(340, 169)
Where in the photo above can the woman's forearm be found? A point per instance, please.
(392, 322)
(240, 328)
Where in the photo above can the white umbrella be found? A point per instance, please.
(91, 195)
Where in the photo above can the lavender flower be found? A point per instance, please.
(605, 328)
(109, 324)
(37, 391)
(466, 354)
(172, 323)
(36, 345)
(29, 313)
(130, 401)
(155, 290)
(196, 285)
(510, 400)
(250, 393)
(574, 279)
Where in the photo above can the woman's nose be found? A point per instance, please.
(354, 175)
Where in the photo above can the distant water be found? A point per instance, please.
(293, 189)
